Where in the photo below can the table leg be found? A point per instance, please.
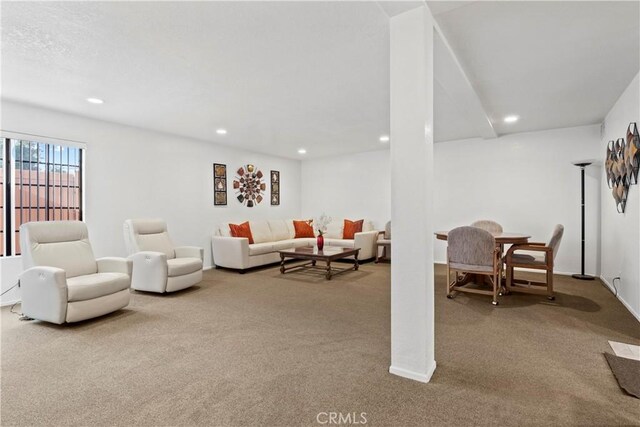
(328, 270)
(356, 266)
(503, 281)
(313, 262)
(281, 264)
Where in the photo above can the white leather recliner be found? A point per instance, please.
(158, 266)
(62, 281)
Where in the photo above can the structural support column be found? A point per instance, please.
(412, 305)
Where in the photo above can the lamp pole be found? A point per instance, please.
(582, 276)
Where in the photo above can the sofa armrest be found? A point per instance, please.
(115, 265)
(44, 294)
(150, 271)
(189, 252)
(230, 252)
(366, 241)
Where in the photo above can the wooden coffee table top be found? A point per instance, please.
(328, 253)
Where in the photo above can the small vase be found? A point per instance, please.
(320, 241)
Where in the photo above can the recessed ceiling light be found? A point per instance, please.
(302, 151)
(511, 119)
(384, 138)
(221, 131)
(95, 101)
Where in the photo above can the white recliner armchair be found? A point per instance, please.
(63, 281)
(158, 266)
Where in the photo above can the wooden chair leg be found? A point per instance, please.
(448, 282)
(509, 278)
(550, 295)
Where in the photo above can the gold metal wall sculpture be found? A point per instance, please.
(622, 164)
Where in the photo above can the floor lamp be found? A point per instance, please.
(582, 276)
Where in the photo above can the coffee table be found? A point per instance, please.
(314, 255)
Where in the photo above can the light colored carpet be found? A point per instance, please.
(266, 349)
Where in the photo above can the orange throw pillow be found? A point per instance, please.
(303, 229)
(241, 230)
(351, 228)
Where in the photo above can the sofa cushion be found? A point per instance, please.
(224, 230)
(292, 243)
(303, 229)
(241, 230)
(340, 243)
(292, 230)
(351, 228)
(279, 230)
(182, 266)
(260, 231)
(90, 286)
(334, 229)
(260, 248)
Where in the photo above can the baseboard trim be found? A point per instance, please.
(8, 303)
(625, 303)
(412, 375)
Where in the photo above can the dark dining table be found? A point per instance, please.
(503, 238)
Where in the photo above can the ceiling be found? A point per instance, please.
(277, 76)
(280, 76)
(553, 63)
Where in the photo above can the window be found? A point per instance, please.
(2, 168)
(43, 182)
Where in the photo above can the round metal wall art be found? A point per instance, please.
(249, 185)
(622, 164)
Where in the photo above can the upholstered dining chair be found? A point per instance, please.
(489, 225)
(493, 228)
(158, 266)
(536, 256)
(384, 241)
(473, 251)
(63, 281)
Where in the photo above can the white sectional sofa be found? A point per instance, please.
(270, 236)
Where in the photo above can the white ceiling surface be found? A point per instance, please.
(458, 113)
(283, 76)
(555, 64)
(277, 76)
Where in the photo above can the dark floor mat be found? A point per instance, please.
(627, 372)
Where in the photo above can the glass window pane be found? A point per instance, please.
(47, 185)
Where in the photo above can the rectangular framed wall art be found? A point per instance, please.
(275, 188)
(219, 184)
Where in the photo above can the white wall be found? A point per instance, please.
(355, 186)
(524, 181)
(134, 173)
(621, 232)
(527, 183)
